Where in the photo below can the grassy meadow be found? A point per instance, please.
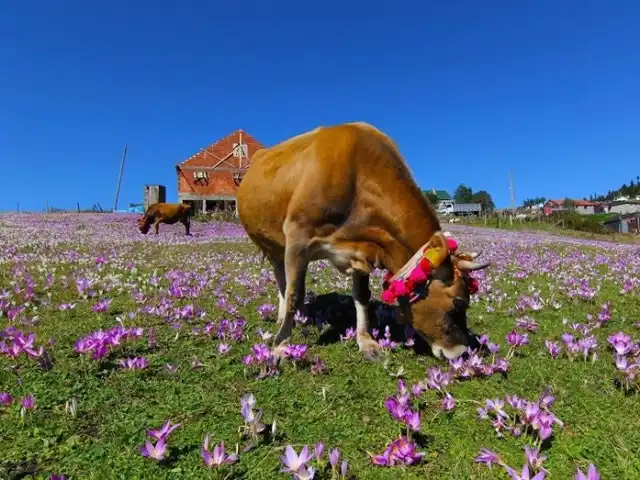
(106, 334)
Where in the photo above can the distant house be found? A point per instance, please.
(627, 223)
(622, 207)
(444, 199)
(208, 180)
(583, 207)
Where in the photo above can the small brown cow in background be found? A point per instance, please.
(168, 213)
(345, 194)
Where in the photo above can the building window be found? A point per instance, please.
(200, 175)
(240, 150)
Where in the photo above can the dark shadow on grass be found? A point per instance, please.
(107, 366)
(339, 312)
(421, 439)
(627, 392)
(18, 470)
(176, 453)
(547, 443)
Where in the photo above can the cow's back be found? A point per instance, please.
(315, 177)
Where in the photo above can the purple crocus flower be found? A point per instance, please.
(318, 451)
(553, 347)
(260, 352)
(516, 339)
(28, 402)
(343, 468)
(401, 451)
(155, 452)
(295, 352)
(621, 343)
(448, 403)
(412, 419)
(592, 474)
(318, 366)
(297, 464)
(525, 475)
(266, 310)
(135, 363)
(164, 431)
(334, 457)
(102, 305)
(396, 408)
(533, 457)
(6, 399)
(488, 457)
(218, 456)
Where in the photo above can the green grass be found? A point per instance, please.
(343, 408)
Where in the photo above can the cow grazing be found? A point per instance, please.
(345, 194)
(168, 213)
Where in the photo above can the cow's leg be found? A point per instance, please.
(156, 225)
(361, 296)
(295, 267)
(281, 282)
(187, 226)
(403, 314)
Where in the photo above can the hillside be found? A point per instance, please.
(630, 190)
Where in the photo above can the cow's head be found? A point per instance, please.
(144, 225)
(437, 307)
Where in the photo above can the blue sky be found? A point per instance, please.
(468, 89)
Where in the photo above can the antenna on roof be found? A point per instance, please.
(241, 152)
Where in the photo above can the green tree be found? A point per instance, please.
(532, 202)
(432, 198)
(484, 198)
(463, 194)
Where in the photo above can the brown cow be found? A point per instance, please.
(344, 193)
(168, 213)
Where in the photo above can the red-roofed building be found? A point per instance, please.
(208, 180)
(584, 207)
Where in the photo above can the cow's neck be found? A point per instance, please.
(418, 223)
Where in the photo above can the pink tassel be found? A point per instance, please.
(399, 288)
(388, 297)
(417, 275)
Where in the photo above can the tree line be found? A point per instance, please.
(464, 194)
(630, 190)
(532, 202)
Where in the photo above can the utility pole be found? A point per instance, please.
(124, 155)
(512, 193)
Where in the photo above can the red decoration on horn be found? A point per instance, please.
(425, 266)
(420, 274)
(452, 244)
(473, 285)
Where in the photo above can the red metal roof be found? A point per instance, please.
(215, 152)
(577, 203)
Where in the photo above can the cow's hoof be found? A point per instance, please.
(370, 349)
(278, 352)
